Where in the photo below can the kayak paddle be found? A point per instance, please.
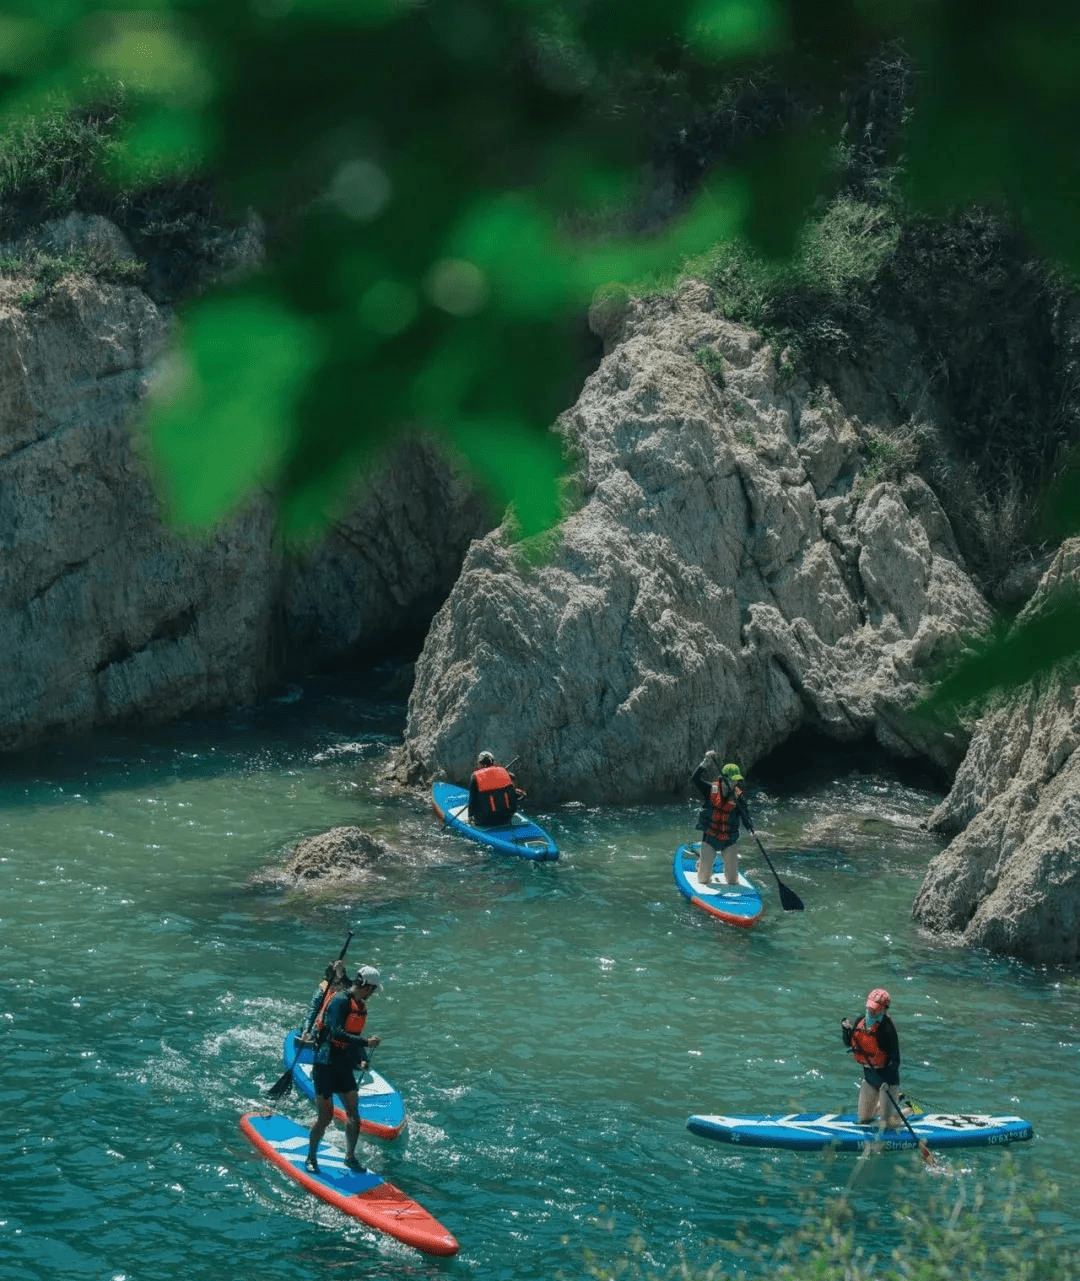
(283, 1084)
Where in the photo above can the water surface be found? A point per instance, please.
(551, 1026)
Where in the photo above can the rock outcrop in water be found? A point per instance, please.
(732, 574)
(1010, 878)
(106, 615)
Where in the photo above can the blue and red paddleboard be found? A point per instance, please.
(380, 1106)
(841, 1132)
(739, 904)
(363, 1195)
(521, 836)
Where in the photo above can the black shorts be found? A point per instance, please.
(333, 1078)
(877, 1076)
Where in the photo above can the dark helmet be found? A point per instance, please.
(484, 759)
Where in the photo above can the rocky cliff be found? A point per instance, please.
(1009, 880)
(733, 572)
(108, 615)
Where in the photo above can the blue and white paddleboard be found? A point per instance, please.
(521, 836)
(362, 1194)
(736, 904)
(381, 1107)
(813, 1131)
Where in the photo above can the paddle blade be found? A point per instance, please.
(926, 1154)
(281, 1086)
(789, 900)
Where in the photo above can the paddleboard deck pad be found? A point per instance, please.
(380, 1106)
(841, 1132)
(736, 904)
(363, 1195)
(521, 836)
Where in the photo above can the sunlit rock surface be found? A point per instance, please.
(108, 615)
(732, 573)
(1010, 878)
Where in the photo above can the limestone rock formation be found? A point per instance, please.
(1009, 881)
(106, 614)
(733, 573)
(339, 852)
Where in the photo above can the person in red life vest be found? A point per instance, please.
(718, 820)
(341, 1049)
(873, 1040)
(493, 794)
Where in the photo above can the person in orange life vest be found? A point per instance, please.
(493, 794)
(341, 1050)
(874, 1042)
(724, 805)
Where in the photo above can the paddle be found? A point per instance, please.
(789, 900)
(283, 1084)
(924, 1151)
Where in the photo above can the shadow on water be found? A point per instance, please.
(807, 761)
(320, 720)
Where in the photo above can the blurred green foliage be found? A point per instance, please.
(445, 185)
(964, 1229)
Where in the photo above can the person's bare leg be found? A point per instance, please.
(352, 1127)
(868, 1102)
(322, 1120)
(706, 860)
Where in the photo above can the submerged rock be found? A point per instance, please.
(732, 573)
(1009, 880)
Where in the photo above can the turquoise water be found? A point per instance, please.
(551, 1026)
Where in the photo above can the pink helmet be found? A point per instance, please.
(878, 999)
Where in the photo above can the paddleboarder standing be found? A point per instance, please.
(340, 1050)
(719, 818)
(874, 1042)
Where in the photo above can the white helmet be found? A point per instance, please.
(368, 975)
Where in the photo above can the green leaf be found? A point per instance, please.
(221, 418)
(517, 464)
(1009, 657)
(737, 28)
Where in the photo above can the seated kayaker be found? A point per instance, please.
(493, 794)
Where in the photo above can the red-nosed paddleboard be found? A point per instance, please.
(362, 1194)
(736, 904)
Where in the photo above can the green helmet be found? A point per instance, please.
(733, 772)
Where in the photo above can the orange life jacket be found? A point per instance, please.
(497, 791)
(865, 1047)
(354, 1020)
(721, 827)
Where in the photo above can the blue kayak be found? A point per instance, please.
(521, 836)
(739, 904)
(841, 1132)
(381, 1107)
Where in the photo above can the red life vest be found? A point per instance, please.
(720, 826)
(497, 792)
(865, 1047)
(354, 1020)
